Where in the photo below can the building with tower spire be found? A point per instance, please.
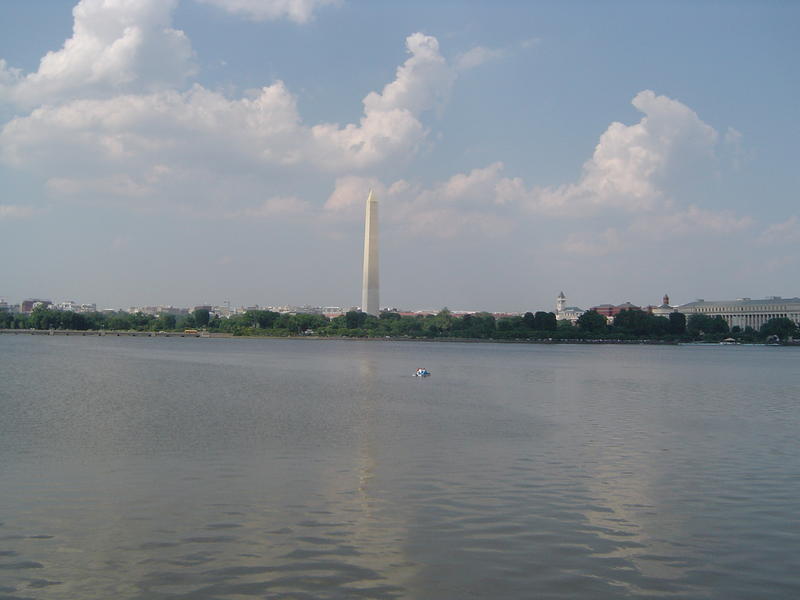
(370, 283)
(567, 313)
(664, 310)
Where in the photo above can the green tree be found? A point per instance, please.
(636, 322)
(677, 323)
(202, 317)
(719, 325)
(44, 318)
(512, 327)
(265, 319)
(529, 320)
(389, 315)
(187, 322)
(443, 321)
(545, 321)
(141, 321)
(699, 324)
(165, 322)
(483, 325)
(354, 319)
(119, 321)
(783, 327)
(21, 322)
(659, 326)
(592, 321)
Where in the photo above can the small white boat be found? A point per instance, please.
(728, 342)
(422, 373)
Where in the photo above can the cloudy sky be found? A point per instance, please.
(191, 151)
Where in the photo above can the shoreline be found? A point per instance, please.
(220, 335)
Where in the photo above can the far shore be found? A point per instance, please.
(203, 334)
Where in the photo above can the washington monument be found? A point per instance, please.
(369, 290)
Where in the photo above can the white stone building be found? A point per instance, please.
(567, 313)
(664, 310)
(745, 312)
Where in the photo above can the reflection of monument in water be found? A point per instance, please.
(369, 293)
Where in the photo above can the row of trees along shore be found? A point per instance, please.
(628, 325)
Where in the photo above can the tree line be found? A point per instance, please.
(628, 325)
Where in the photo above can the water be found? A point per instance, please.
(185, 468)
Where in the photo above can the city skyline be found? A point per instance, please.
(165, 151)
(559, 307)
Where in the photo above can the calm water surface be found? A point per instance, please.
(184, 468)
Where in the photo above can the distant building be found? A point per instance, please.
(745, 312)
(663, 310)
(27, 306)
(567, 313)
(609, 311)
(172, 310)
(332, 311)
(72, 306)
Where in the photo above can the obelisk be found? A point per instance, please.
(369, 290)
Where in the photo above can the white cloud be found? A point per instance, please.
(127, 136)
(116, 46)
(633, 170)
(299, 11)
(279, 206)
(477, 56)
(350, 193)
(421, 83)
(16, 211)
(633, 165)
(390, 126)
(462, 203)
(477, 185)
(691, 220)
(734, 148)
(593, 244)
(787, 232)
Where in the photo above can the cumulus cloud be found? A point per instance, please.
(350, 193)
(632, 170)
(125, 137)
(462, 203)
(633, 165)
(390, 124)
(422, 82)
(116, 46)
(299, 11)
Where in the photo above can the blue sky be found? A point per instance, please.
(192, 151)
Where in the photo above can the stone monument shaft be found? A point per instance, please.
(369, 293)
